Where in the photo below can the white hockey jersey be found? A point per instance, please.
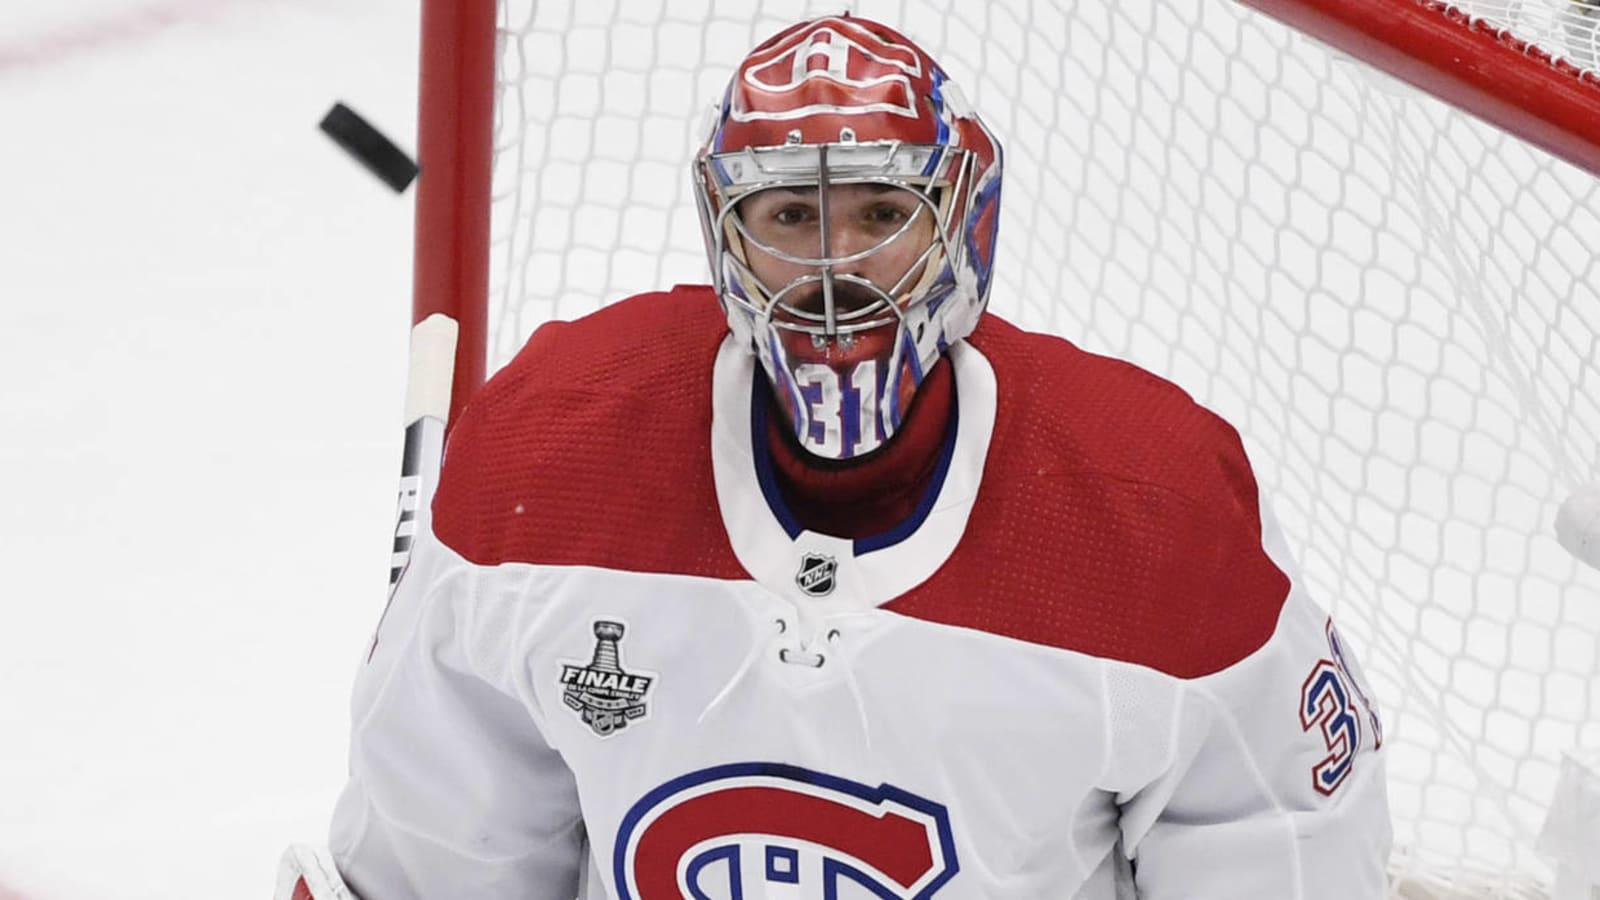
(618, 668)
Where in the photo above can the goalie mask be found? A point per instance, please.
(849, 198)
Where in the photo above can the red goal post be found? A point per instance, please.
(1396, 303)
(455, 135)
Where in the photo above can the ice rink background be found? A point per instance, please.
(203, 323)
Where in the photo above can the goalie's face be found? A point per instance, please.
(838, 268)
(847, 249)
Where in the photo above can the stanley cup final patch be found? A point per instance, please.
(606, 696)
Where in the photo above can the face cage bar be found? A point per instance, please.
(885, 162)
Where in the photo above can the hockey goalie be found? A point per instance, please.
(823, 582)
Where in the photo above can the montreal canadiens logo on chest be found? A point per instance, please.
(761, 831)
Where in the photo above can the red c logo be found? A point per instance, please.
(737, 825)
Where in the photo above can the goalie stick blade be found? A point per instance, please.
(368, 145)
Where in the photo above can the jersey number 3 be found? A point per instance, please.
(1332, 700)
(1325, 701)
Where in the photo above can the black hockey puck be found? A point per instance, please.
(368, 145)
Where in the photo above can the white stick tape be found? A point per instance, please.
(433, 366)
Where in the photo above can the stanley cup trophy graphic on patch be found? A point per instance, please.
(606, 696)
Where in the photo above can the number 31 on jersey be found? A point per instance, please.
(840, 416)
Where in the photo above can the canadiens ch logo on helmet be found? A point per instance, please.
(874, 74)
(773, 830)
(604, 695)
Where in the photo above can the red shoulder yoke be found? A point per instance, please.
(593, 446)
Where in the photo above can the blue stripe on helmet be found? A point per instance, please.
(937, 95)
(720, 132)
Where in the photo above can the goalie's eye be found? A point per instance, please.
(887, 216)
(794, 215)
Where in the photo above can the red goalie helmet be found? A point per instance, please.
(849, 197)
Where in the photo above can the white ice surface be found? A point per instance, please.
(203, 320)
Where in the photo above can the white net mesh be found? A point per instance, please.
(1394, 303)
(1564, 30)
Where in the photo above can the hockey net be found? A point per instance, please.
(1394, 302)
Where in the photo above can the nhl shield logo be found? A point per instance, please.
(604, 695)
(816, 575)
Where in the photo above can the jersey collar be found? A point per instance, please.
(822, 571)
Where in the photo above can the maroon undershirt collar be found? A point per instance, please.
(861, 497)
